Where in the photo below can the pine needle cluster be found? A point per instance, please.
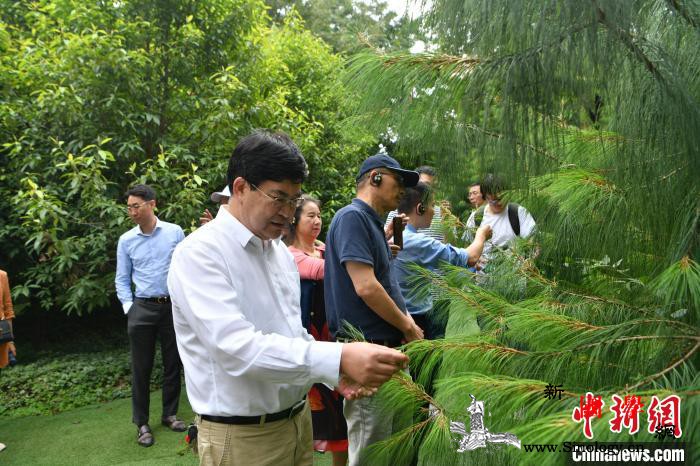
(591, 110)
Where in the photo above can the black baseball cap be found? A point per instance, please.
(410, 178)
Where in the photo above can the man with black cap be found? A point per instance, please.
(360, 288)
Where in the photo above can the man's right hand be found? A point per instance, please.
(206, 217)
(370, 365)
(412, 330)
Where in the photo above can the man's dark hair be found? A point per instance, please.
(414, 196)
(143, 191)
(475, 183)
(492, 185)
(426, 169)
(263, 155)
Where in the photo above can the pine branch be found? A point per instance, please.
(667, 369)
(676, 6)
(500, 136)
(629, 42)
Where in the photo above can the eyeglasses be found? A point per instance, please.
(398, 178)
(130, 207)
(281, 201)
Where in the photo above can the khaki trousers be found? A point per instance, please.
(280, 443)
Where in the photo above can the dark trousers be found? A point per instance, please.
(432, 330)
(146, 321)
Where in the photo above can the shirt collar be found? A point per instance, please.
(411, 228)
(140, 231)
(364, 207)
(240, 232)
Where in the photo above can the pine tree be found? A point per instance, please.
(592, 110)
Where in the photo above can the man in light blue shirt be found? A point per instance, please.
(427, 175)
(143, 257)
(417, 204)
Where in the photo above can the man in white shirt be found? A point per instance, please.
(507, 221)
(235, 291)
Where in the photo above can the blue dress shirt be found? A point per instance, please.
(145, 260)
(428, 253)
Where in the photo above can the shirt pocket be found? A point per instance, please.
(288, 290)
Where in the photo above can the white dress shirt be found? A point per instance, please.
(238, 323)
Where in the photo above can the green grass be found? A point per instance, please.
(97, 435)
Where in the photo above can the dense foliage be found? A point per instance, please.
(592, 111)
(51, 385)
(97, 96)
(349, 25)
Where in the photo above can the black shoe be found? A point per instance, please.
(174, 424)
(144, 437)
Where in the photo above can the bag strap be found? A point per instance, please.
(513, 217)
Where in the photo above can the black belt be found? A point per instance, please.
(286, 414)
(390, 342)
(157, 299)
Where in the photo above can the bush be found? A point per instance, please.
(51, 385)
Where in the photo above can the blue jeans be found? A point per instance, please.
(367, 424)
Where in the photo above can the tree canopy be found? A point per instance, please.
(97, 96)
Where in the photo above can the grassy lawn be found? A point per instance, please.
(97, 435)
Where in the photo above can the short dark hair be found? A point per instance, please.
(264, 155)
(475, 183)
(492, 185)
(143, 191)
(427, 170)
(413, 196)
(362, 180)
(305, 199)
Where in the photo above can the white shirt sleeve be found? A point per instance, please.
(471, 221)
(527, 223)
(205, 298)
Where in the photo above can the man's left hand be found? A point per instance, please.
(352, 390)
(395, 248)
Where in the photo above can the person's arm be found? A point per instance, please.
(310, 268)
(7, 309)
(122, 280)
(527, 223)
(205, 301)
(477, 246)
(375, 296)
(206, 217)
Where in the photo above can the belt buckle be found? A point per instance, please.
(161, 300)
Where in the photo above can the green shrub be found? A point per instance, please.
(51, 385)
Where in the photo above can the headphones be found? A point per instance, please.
(376, 180)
